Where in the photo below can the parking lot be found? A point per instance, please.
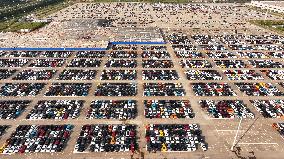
(187, 98)
(121, 89)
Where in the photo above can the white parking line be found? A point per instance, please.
(282, 137)
(221, 118)
(258, 143)
(80, 152)
(229, 130)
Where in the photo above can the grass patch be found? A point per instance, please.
(148, 1)
(274, 25)
(44, 12)
(264, 11)
(17, 26)
(163, 1)
(20, 11)
(41, 9)
(4, 25)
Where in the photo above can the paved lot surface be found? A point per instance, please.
(256, 137)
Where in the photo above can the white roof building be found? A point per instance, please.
(275, 6)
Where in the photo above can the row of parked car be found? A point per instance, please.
(38, 74)
(181, 53)
(153, 47)
(226, 109)
(32, 54)
(11, 109)
(184, 47)
(213, 47)
(203, 75)
(74, 74)
(150, 89)
(195, 64)
(269, 108)
(274, 74)
(56, 109)
(265, 64)
(252, 54)
(121, 63)
(179, 39)
(276, 54)
(68, 89)
(79, 74)
(112, 109)
(21, 89)
(259, 89)
(124, 47)
(163, 89)
(174, 137)
(127, 109)
(230, 64)
(12, 54)
(279, 127)
(152, 54)
(242, 75)
(107, 138)
(83, 63)
(157, 64)
(47, 63)
(168, 109)
(158, 54)
(250, 38)
(90, 54)
(116, 89)
(56, 54)
(205, 39)
(13, 63)
(147, 53)
(3, 129)
(212, 89)
(220, 54)
(6, 73)
(119, 75)
(160, 75)
(37, 138)
(122, 54)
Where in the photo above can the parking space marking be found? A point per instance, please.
(282, 137)
(257, 143)
(229, 130)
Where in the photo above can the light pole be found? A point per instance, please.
(232, 148)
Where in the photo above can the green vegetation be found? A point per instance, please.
(164, 1)
(274, 25)
(6, 24)
(150, 1)
(269, 12)
(25, 25)
(50, 9)
(19, 11)
(11, 15)
(12, 3)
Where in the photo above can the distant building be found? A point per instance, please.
(25, 30)
(33, 18)
(275, 6)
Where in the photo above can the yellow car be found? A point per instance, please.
(3, 147)
(161, 133)
(164, 147)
